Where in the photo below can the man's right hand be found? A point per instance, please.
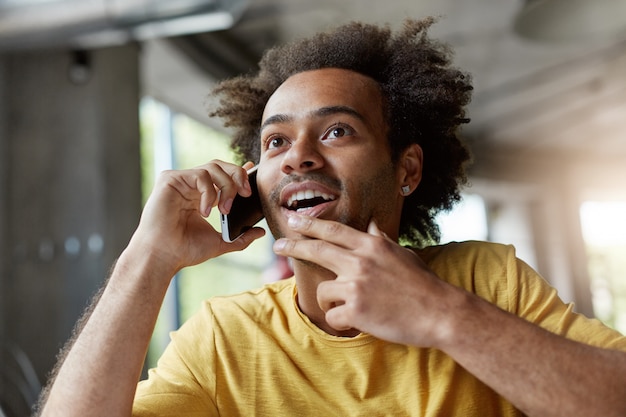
(173, 225)
(172, 233)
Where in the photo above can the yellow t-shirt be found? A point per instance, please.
(256, 354)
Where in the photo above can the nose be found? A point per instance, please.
(302, 156)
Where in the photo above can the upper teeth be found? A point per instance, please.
(307, 195)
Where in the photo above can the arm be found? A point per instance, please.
(541, 373)
(102, 365)
(386, 290)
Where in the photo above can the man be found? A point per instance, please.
(354, 135)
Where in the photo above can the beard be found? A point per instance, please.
(375, 196)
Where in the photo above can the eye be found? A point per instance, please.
(338, 131)
(276, 142)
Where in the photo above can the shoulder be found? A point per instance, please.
(469, 255)
(486, 269)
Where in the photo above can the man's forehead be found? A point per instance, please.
(305, 92)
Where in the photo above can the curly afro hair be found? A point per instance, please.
(425, 98)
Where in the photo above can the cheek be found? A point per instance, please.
(379, 190)
(269, 193)
(264, 185)
(268, 196)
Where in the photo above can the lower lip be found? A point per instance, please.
(315, 211)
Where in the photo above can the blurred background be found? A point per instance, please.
(96, 96)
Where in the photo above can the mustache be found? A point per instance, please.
(325, 180)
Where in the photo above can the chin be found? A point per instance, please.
(275, 229)
(311, 266)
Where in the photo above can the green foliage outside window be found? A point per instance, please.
(193, 144)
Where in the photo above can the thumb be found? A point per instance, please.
(374, 230)
(243, 241)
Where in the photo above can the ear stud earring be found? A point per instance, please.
(406, 190)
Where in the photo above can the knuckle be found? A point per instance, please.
(379, 247)
(356, 296)
(353, 288)
(239, 174)
(213, 164)
(292, 245)
(319, 246)
(332, 228)
(203, 175)
(362, 265)
(382, 244)
(166, 176)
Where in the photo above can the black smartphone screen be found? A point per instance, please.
(244, 213)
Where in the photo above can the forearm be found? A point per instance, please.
(100, 372)
(540, 373)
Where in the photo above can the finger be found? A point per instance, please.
(332, 293)
(202, 181)
(332, 298)
(194, 186)
(339, 318)
(230, 180)
(374, 230)
(327, 230)
(331, 246)
(243, 241)
(317, 251)
(239, 174)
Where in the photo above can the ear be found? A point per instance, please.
(410, 168)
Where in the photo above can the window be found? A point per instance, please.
(604, 231)
(175, 141)
(466, 221)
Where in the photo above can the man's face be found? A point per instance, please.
(324, 153)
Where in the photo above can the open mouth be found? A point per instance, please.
(305, 199)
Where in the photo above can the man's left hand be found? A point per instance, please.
(381, 287)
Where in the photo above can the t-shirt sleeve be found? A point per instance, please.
(183, 383)
(534, 299)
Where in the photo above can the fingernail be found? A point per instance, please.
(295, 221)
(372, 227)
(279, 245)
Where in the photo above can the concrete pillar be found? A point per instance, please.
(542, 199)
(4, 165)
(70, 183)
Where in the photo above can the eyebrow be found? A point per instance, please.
(321, 112)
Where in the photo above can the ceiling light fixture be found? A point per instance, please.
(571, 20)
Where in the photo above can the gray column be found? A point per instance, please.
(70, 183)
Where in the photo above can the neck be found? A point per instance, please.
(308, 276)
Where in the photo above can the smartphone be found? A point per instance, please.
(244, 213)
